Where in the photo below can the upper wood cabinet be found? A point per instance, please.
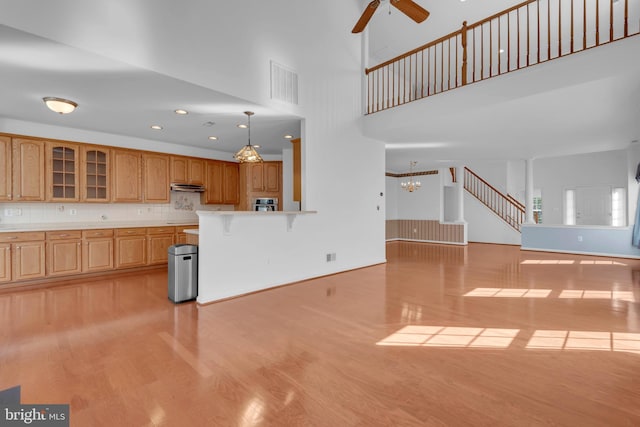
(62, 172)
(28, 170)
(222, 183)
(126, 176)
(6, 165)
(265, 176)
(214, 185)
(187, 170)
(230, 192)
(156, 178)
(95, 167)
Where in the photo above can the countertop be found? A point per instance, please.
(93, 225)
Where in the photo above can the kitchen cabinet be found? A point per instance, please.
(181, 236)
(230, 182)
(156, 178)
(158, 241)
(64, 252)
(222, 183)
(264, 176)
(6, 165)
(97, 250)
(28, 159)
(214, 185)
(297, 170)
(62, 172)
(22, 256)
(259, 180)
(187, 170)
(126, 176)
(5, 262)
(95, 166)
(130, 247)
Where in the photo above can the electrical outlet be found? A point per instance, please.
(13, 212)
(139, 211)
(73, 212)
(579, 238)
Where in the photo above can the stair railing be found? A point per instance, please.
(526, 34)
(513, 213)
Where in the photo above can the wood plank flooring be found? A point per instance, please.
(484, 335)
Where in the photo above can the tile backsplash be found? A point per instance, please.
(183, 206)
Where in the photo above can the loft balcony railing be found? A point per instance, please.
(529, 33)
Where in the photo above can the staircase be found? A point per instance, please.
(506, 207)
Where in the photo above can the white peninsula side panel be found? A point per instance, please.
(242, 252)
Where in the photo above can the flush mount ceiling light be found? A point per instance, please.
(60, 105)
(288, 137)
(248, 154)
(410, 185)
(181, 112)
(213, 138)
(156, 127)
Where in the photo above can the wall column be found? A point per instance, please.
(528, 192)
(460, 192)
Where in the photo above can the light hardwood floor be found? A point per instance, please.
(484, 335)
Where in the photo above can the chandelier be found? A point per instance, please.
(410, 185)
(248, 153)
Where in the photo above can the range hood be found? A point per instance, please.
(187, 188)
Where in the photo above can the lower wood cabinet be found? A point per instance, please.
(97, 250)
(26, 256)
(64, 252)
(5, 262)
(22, 256)
(158, 241)
(130, 247)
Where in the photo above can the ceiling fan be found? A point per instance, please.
(408, 7)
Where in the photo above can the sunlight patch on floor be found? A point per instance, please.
(546, 293)
(441, 336)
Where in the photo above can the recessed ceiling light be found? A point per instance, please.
(288, 136)
(156, 127)
(256, 145)
(181, 112)
(213, 138)
(241, 126)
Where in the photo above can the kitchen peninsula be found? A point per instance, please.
(235, 256)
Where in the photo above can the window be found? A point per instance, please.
(618, 207)
(570, 207)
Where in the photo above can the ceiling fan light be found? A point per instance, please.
(60, 105)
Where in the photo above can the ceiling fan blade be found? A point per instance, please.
(366, 16)
(411, 9)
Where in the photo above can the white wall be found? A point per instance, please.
(228, 46)
(421, 204)
(485, 226)
(553, 175)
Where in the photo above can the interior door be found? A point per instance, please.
(593, 205)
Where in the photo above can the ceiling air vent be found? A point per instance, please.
(284, 84)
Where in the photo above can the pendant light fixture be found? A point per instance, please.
(410, 185)
(248, 153)
(60, 105)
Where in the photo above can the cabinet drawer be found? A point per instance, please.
(120, 232)
(30, 236)
(94, 234)
(65, 234)
(161, 230)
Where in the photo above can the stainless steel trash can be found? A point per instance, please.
(183, 272)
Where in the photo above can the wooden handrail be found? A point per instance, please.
(526, 34)
(507, 208)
